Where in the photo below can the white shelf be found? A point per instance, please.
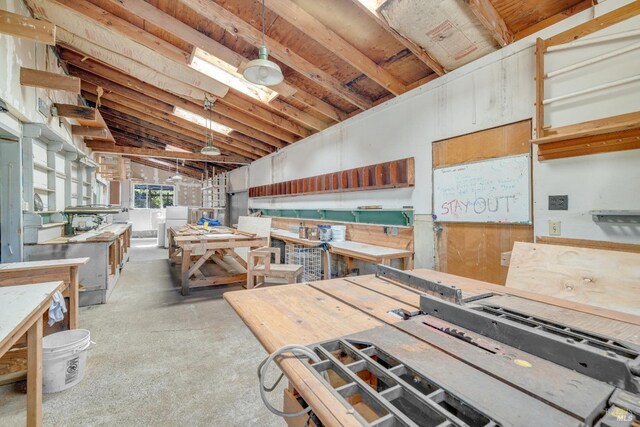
(42, 166)
(40, 188)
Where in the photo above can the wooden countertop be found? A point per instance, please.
(39, 265)
(346, 247)
(105, 234)
(20, 303)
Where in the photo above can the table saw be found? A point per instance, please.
(424, 348)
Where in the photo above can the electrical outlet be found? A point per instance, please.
(554, 228)
(559, 203)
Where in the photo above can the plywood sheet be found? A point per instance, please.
(261, 227)
(447, 29)
(608, 279)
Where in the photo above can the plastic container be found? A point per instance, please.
(338, 233)
(64, 359)
(324, 233)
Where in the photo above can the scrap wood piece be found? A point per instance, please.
(48, 80)
(601, 278)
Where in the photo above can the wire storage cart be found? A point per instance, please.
(309, 258)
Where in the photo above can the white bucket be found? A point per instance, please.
(64, 358)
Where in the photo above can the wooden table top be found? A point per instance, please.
(39, 265)
(325, 310)
(105, 234)
(20, 303)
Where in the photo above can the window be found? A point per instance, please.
(152, 196)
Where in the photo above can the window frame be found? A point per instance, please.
(163, 188)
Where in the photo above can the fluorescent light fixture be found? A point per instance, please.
(206, 63)
(201, 120)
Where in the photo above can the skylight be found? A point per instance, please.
(201, 120)
(210, 65)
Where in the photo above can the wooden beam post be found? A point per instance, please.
(27, 28)
(47, 80)
(71, 111)
(90, 132)
(492, 21)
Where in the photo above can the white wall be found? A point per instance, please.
(495, 90)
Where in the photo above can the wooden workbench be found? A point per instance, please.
(12, 364)
(200, 248)
(21, 310)
(373, 254)
(108, 250)
(325, 310)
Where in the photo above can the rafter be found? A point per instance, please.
(112, 79)
(492, 21)
(78, 29)
(247, 32)
(305, 22)
(167, 167)
(179, 132)
(187, 128)
(101, 147)
(370, 8)
(27, 28)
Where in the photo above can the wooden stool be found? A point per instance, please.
(259, 265)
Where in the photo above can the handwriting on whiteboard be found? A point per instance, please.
(496, 190)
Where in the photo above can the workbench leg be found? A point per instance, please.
(386, 261)
(408, 263)
(74, 289)
(34, 374)
(348, 263)
(186, 263)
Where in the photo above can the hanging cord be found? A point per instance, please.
(263, 30)
(301, 351)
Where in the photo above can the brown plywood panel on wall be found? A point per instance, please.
(114, 192)
(487, 144)
(474, 249)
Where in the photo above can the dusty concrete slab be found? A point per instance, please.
(160, 359)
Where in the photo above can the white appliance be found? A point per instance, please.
(175, 217)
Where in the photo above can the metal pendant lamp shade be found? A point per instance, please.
(177, 177)
(263, 72)
(210, 150)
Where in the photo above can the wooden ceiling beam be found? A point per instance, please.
(26, 27)
(222, 55)
(101, 147)
(187, 128)
(492, 21)
(583, 5)
(47, 80)
(418, 51)
(179, 132)
(114, 80)
(308, 24)
(140, 103)
(90, 132)
(78, 29)
(77, 112)
(167, 167)
(251, 35)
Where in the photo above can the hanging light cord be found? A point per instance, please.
(263, 37)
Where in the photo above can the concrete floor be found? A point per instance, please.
(160, 359)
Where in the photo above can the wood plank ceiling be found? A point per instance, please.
(339, 57)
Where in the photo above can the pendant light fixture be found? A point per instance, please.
(261, 71)
(209, 149)
(177, 177)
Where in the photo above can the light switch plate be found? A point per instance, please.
(559, 203)
(554, 228)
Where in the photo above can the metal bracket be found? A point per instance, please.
(437, 289)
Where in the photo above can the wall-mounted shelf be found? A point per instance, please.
(616, 217)
(41, 188)
(400, 217)
(42, 166)
(394, 174)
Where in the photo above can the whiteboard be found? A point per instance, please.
(494, 191)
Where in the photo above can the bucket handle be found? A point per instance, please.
(88, 345)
